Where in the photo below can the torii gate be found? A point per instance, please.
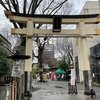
(80, 33)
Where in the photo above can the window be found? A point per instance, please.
(86, 11)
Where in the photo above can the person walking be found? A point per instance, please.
(52, 75)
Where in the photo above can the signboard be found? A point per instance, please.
(18, 68)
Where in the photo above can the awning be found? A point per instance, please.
(59, 71)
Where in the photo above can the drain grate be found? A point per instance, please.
(58, 87)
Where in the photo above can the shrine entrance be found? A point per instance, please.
(79, 34)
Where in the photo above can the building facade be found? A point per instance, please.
(48, 55)
(95, 62)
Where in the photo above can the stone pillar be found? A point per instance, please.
(84, 59)
(28, 62)
(74, 55)
(79, 51)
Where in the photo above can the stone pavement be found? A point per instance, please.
(57, 90)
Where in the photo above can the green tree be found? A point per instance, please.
(5, 63)
(64, 65)
(34, 72)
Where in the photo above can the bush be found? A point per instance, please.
(5, 63)
(34, 72)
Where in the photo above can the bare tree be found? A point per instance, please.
(32, 7)
(65, 49)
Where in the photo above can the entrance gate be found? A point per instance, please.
(80, 33)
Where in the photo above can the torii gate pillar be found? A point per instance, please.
(28, 63)
(84, 60)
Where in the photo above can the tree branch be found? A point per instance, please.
(58, 6)
(2, 3)
(34, 7)
(24, 7)
(48, 6)
(30, 6)
(15, 5)
(39, 3)
(8, 3)
(57, 10)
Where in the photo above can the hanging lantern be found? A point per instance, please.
(57, 24)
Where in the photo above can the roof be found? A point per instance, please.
(52, 16)
(59, 71)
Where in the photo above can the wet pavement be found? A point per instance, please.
(58, 90)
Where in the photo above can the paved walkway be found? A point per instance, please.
(58, 90)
